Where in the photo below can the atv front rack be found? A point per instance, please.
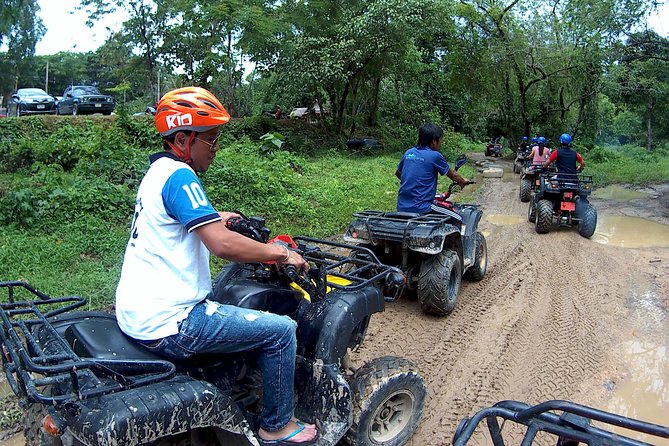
(358, 266)
(572, 426)
(34, 364)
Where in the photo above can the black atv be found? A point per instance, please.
(529, 180)
(566, 423)
(563, 198)
(521, 160)
(434, 250)
(84, 382)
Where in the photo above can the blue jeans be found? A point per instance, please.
(215, 328)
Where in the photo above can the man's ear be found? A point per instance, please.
(180, 139)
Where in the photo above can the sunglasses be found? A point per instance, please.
(211, 144)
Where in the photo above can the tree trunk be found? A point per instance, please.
(649, 125)
(374, 111)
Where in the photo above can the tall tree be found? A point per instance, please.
(21, 29)
(142, 30)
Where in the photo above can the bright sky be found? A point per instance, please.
(67, 30)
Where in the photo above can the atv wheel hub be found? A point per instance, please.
(392, 417)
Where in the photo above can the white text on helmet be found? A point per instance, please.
(178, 120)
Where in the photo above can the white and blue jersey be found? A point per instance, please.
(166, 265)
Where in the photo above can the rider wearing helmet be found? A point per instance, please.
(565, 158)
(540, 152)
(524, 146)
(162, 296)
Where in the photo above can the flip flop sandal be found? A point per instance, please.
(285, 441)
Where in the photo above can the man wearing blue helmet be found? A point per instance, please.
(524, 145)
(565, 158)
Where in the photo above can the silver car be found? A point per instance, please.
(29, 101)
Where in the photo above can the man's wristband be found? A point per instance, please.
(285, 259)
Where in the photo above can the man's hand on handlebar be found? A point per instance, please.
(294, 259)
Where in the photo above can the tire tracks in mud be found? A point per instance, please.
(537, 327)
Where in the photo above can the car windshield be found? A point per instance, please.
(32, 92)
(85, 90)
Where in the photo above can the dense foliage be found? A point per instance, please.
(481, 67)
(67, 187)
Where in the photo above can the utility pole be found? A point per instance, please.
(46, 82)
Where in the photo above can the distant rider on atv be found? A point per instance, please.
(162, 296)
(540, 152)
(524, 146)
(565, 158)
(419, 171)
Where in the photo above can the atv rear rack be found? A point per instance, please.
(568, 181)
(394, 226)
(33, 364)
(572, 426)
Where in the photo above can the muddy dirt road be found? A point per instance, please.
(552, 319)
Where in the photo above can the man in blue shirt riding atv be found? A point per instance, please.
(419, 171)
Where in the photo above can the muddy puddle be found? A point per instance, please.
(631, 232)
(644, 393)
(618, 193)
(643, 390)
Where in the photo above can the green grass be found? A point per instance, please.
(64, 220)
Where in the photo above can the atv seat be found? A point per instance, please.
(407, 215)
(99, 336)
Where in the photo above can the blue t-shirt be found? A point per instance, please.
(419, 171)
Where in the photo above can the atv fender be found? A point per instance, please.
(324, 397)
(429, 239)
(471, 216)
(328, 328)
(146, 414)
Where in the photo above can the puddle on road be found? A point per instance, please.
(644, 395)
(16, 440)
(631, 232)
(618, 193)
(503, 220)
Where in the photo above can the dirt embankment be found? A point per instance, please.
(547, 321)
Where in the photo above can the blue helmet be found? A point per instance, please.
(534, 139)
(541, 140)
(524, 138)
(565, 139)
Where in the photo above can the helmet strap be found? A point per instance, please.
(184, 154)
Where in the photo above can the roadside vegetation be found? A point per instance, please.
(67, 188)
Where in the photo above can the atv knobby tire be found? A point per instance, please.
(525, 190)
(388, 400)
(587, 225)
(544, 219)
(33, 418)
(478, 269)
(439, 283)
(532, 213)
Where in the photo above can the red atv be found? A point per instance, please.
(493, 149)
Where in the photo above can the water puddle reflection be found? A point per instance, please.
(644, 395)
(631, 232)
(615, 192)
(503, 220)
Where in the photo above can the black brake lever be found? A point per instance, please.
(304, 282)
